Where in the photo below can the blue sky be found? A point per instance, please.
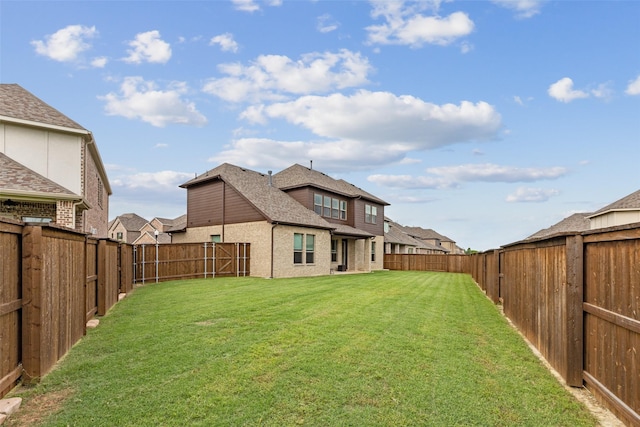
(483, 120)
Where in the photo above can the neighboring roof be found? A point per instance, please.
(178, 223)
(131, 221)
(18, 103)
(17, 179)
(574, 223)
(630, 202)
(398, 234)
(273, 203)
(427, 234)
(300, 176)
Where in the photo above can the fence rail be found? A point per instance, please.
(575, 296)
(157, 263)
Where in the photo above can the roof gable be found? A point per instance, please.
(274, 204)
(131, 221)
(18, 103)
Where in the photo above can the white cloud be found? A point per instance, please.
(488, 172)
(634, 87)
(602, 91)
(148, 47)
(99, 62)
(563, 91)
(226, 42)
(159, 182)
(252, 5)
(66, 44)
(139, 99)
(529, 195)
(362, 131)
(523, 8)
(453, 176)
(402, 123)
(406, 25)
(273, 77)
(326, 23)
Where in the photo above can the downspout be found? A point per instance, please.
(273, 226)
(224, 208)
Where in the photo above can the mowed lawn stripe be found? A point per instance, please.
(380, 349)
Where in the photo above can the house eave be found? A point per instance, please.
(8, 119)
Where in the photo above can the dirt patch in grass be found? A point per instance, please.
(34, 410)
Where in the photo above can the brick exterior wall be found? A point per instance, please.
(65, 214)
(96, 219)
(29, 209)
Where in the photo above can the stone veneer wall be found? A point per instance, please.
(258, 234)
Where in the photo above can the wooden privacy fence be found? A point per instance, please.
(52, 281)
(575, 296)
(157, 263)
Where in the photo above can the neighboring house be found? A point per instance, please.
(620, 212)
(398, 241)
(51, 168)
(126, 227)
(575, 223)
(132, 228)
(437, 240)
(299, 222)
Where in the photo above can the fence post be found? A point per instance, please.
(32, 303)
(574, 312)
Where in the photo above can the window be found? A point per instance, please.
(334, 250)
(311, 243)
(327, 207)
(216, 238)
(297, 248)
(119, 235)
(373, 251)
(370, 214)
(386, 227)
(317, 203)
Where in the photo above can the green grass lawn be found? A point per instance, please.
(380, 349)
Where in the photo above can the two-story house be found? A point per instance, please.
(51, 169)
(299, 222)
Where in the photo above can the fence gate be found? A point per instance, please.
(225, 259)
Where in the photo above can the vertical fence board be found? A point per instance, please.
(10, 305)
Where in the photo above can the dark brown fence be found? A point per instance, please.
(576, 297)
(157, 263)
(52, 281)
(10, 305)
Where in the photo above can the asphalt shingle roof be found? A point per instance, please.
(132, 221)
(300, 176)
(18, 103)
(632, 201)
(15, 176)
(575, 223)
(273, 203)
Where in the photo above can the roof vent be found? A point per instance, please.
(270, 178)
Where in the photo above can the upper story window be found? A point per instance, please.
(100, 190)
(370, 214)
(330, 207)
